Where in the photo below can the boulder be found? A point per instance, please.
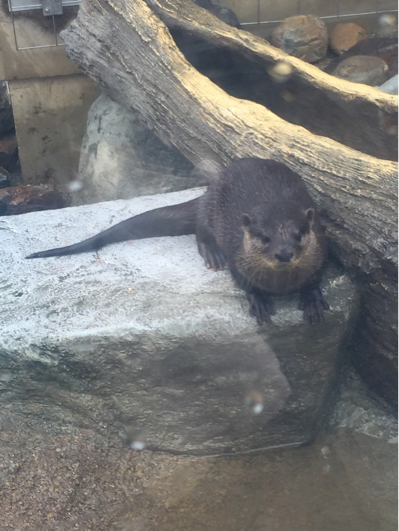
(362, 69)
(222, 12)
(386, 48)
(122, 158)
(303, 36)
(140, 338)
(345, 35)
(390, 86)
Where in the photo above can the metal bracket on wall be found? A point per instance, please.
(52, 7)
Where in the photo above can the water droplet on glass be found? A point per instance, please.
(281, 71)
(75, 186)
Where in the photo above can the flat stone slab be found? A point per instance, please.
(141, 338)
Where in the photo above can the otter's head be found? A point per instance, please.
(278, 233)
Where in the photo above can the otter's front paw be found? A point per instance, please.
(213, 256)
(313, 305)
(261, 307)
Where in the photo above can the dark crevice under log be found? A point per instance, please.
(129, 52)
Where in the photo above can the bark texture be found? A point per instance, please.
(126, 47)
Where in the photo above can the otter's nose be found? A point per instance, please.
(284, 255)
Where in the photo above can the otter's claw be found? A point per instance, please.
(313, 305)
(213, 256)
(261, 307)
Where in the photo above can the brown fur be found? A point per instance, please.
(260, 266)
(257, 217)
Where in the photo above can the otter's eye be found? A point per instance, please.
(265, 239)
(298, 236)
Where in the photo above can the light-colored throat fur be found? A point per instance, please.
(271, 275)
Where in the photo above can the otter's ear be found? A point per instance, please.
(246, 220)
(309, 213)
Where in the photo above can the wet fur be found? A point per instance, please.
(274, 276)
(251, 201)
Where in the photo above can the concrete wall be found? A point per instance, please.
(50, 117)
(34, 30)
(277, 10)
(49, 96)
(251, 11)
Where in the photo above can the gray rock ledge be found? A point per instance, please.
(141, 338)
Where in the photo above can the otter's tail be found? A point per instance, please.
(174, 220)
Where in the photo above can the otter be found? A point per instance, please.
(257, 219)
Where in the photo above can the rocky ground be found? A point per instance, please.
(64, 478)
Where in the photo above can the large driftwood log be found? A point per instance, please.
(125, 47)
(355, 115)
(127, 50)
